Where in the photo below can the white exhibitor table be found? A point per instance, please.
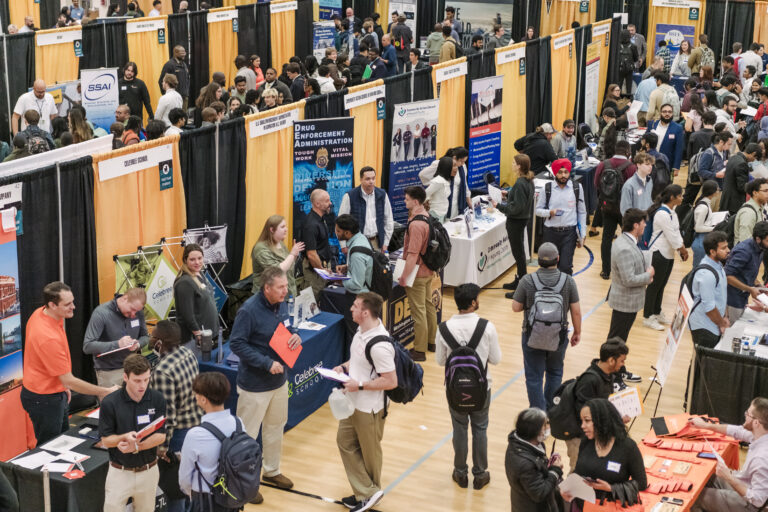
(481, 258)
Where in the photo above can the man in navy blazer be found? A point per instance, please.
(671, 137)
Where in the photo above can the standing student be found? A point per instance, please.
(709, 290)
(461, 328)
(702, 225)
(741, 270)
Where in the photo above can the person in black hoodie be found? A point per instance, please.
(533, 479)
(133, 91)
(538, 147)
(358, 64)
(600, 380)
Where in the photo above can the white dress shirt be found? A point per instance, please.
(666, 235)
(167, 102)
(370, 229)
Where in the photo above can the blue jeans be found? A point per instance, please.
(698, 248)
(537, 363)
(177, 441)
(479, 420)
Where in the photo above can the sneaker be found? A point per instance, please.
(417, 356)
(481, 481)
(652, 323)
(258, 500)
(605, 275)
(350, 502)
(628, 376)
(593, 232)
(280, 480)
(460, 478)
(662, 319)
(369, 503)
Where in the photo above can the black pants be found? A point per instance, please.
(565, 240)
(621, 323)
(597, 218)
(203, 502)
(654, 294)
(516, 235)
(610, 223)
(9, 501)
(49, 413)
(627, 82)
(705, 338)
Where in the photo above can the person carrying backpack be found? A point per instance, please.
(709, 289)
(750, 213)
(372, 369)
(466, 345)
(201, 453)
(627, 58)
(701, 217)
(546, 296)
(451, 49)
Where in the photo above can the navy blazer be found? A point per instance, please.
(673, 143)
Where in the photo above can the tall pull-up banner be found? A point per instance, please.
(485, 130)
(100, 95)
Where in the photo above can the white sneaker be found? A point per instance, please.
(369, 503)
(662, 319)
(652, 323)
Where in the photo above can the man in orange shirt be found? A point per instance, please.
(419, 295)
(48, 378)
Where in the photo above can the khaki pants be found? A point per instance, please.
(312, 279)
(109, 378)
(423, 312)
(572, 447)
(719, 496)
(374, 243)
(122, 484)
(359, 441)
(267, 410)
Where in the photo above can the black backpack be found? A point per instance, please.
(693, 168)
(688, 281)
(564, 420)
(611, 182)
(661, 177)
(728, 226)
(688, 224)
(466, 377)
(381, 277)
(438, 250)
(459, 49)
(239, 471)
(626, 63)
(410, 375)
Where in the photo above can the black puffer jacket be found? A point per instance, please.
(538, 149)
(533, 486)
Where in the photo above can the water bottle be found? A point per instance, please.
(291, 304)
(206, 344)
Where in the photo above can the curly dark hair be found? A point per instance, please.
(606, 421)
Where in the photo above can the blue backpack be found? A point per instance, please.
(645, 242)
(410, 375)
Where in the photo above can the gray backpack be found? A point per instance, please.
(547, 318)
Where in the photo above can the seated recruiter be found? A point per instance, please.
(48, 379)
(608, 456)
(193, 295)
(133, 469)
(117, 324)
(270, 251)
(747, 489)
(359, 267)
(317, 250)
(370, 206)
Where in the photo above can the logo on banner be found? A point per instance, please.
(99, 87)
(166, 174)
(482, 261)
(549, 5)
(693, 13)
(235, 25)
(522, 66)
(570, 50)
(584, 6)
(78, 47)
(161, 36)
(381, 109)
(160, 289)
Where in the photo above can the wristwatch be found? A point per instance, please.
(360, 386)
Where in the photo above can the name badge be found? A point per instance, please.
(639, 191)
(124, 88)
(135, 322)
(287, 322)
(671, 135)
(144, 418)
(614, 466)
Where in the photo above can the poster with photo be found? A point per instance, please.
(412, 148)
(323, 33)
(479, 16)
(408, 9)
(10, 308)
(674, 335)
(674, 35)
(485, 130)
(213, 241)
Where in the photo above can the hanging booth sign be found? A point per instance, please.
(678, 4)
(507, 56)
(100, 95)
(559, 42)
(360, 98)
(327, 8)
(584, 6)
(446, 73)
(259, 127)
(485, 130)
(134, 162)
(134, 27)
(78, 44)
(58, 37)
(283, 7)
(225, 15)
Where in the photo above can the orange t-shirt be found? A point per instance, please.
(46, 354)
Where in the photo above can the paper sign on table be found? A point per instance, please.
(35, 460)
(58, 467)
(399, 268)
(494, 193)
(577, 487)
(74, 475)
(279, 344)
(330, 374)
(627, 402)
(62, 444)
(73, 457)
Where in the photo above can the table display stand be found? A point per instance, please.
(645, 397)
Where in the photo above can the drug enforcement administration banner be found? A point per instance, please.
(485, 130)
(412, 148)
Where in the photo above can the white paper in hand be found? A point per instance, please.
(330, 374)
(494, 193)
(399, 267)
(577, 487)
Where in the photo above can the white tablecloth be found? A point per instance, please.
(751, 323)
(482, 258)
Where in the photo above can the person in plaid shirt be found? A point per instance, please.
(663, 52)
(173, 377)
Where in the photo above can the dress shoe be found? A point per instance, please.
(417, 356)
(431, 347)
(605, 275)
(510, 295)
(461, 479)
(512, 285)
(258, 500)
(593, 232)
(481, 481)
(279, 480)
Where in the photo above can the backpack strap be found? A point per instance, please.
(368, 251)
(447, 336)
(218, 434)
(560, 282)
(477, 335)
(368, 346)
(537, 284)
(547, 193)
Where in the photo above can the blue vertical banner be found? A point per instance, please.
(323, 33)
(485, 130)
(412, 148)
(328, 8)
(100, 95)
(322, 158)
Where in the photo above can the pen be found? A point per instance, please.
(79, 466)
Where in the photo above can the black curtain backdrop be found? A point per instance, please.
(613, 55)
(191, 31)
(20, 62)
(198, 153)
(479, 65)
(5, 16)
(582, 37)
(304, 28)
(538, 83)
(98, 37)
(263, 35)
(638, 15)
(606, 8)
(366, 8)
(49, 13)
(525, 13)
(425, 20)
(725, 28)
(325, 106)
(246, 33)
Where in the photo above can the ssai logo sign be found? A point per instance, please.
(100, 87)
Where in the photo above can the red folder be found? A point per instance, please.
(279, 344)
(151, 428)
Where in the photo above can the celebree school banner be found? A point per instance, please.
(100, 95)
(485, 130)
(412, 148)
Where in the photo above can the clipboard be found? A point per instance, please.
(279, 344)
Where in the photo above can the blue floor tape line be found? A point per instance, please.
(589, 263)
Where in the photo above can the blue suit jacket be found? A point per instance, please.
(673, 143)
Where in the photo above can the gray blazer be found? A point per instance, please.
(628, 276)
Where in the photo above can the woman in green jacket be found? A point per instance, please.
(270, 251)
(518, 210)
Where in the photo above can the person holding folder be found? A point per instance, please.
(261, 382)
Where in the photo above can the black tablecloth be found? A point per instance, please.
(724, 384)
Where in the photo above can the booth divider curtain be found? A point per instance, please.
(263, 38)
(5, 14)
(425, 21)
(557, 15)
(165, 8)
(727, 26)
(247, 43)
(325, 105)
(365, 8)
(269, 180)
(191, 31)
(637, 11)
(56, 62)
(760, 32)
(283, 35)
(613, 54)
(197, 155)
(145, 49)
(672, 16)
(222, 47)
(583, 37)
(538, 85)
(606, 8)
(131, 210)
(450, 118)
(368, 145)
(20, 9)
(49, 13)
(525, 13)
(105, 45)
(512, 116)
(605, 52)
(563, 64)
(303, 28)
(382, 7)
(479, 65)
(18, 57)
